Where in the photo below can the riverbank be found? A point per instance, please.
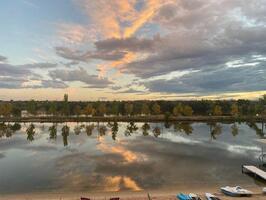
(142, 195)
(151, 118)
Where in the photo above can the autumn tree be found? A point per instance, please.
(145, 109)
(89, 110)
(234, 109)
(156, 109)
(5, 109)
(217, 110)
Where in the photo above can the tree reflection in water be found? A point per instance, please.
(215, 130)
(114, 129)
(65, 134)
(53, 132)
(30, 132)
(184, 127)
(131, 127)
(89, 129)
(234, 130)
(7, 130)
(145, 129)
(156, 131)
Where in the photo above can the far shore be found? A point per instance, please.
(150, 118)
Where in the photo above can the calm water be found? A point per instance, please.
(121, 157)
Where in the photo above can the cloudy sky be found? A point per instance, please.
(132, 49)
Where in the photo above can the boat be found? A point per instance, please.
(194, 196)
(182, 196)
(236, 191)
(210, 196)
(264, 190)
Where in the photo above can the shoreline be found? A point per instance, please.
(152, 118)
(131, 195)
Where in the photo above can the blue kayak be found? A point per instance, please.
(182, 196)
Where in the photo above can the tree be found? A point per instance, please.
(77, 110)
(145, 109)
(178, 110)
(5, 109)
(65, 110)
(101, 109)
(128, 108)
(52, 109)
(89, 110)
(217, 110)
(156, 109)
(32, 107)
(115, 108)
(187, 111)
(234, 109)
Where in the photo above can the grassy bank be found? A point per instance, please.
(152, 118)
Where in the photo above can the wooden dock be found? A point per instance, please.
(254, 170)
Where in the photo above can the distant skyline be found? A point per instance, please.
(132, 49)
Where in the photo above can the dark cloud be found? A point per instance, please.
(87, 56)
(3, 58)
(128, 44)
(13, 70)
(236, 79)
(80, 75)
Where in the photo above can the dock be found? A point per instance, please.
(254, 170)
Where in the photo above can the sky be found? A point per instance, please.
(132, 49)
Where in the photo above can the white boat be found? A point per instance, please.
(210, 196)
(236, 191)
(264, 190)
(194, 196)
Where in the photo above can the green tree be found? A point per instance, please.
(32, 107)
(52, 109)
(65, 110)
(187, 111)
(145, 109)
(128, 108)
(178, 110)
(234, 109)
(217, 110)
(156, 109)
(101, 109)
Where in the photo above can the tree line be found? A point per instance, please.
(133, 108)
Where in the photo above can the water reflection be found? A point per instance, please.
(125, 156)
(65, 134)
(30, 132)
